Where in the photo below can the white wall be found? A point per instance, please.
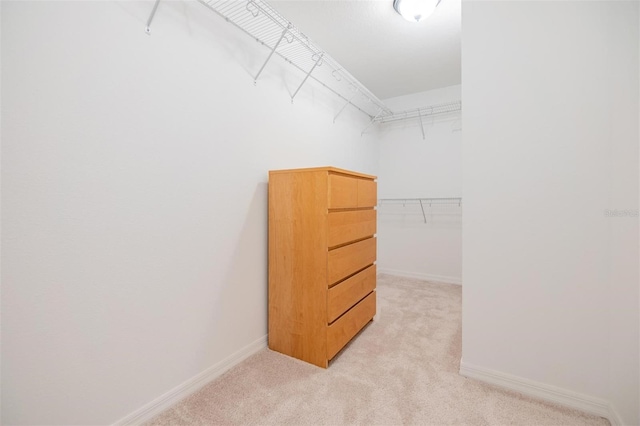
(413, 167)
(550, 94)
(134, 196)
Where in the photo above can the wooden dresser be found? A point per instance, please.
(322, 249)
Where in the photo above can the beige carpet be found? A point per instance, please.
(401, 369)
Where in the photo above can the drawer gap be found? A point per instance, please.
(346, 278)
(351, 242)
(350, 209)
(350, 307)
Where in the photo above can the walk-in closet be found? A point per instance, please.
(320, 212)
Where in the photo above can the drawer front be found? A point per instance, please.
(340, 332)
(349, 226)
(343, 192)
(367, 193)
(349, 259)
(346, 294)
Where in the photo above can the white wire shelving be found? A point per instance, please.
(421, 113)
(268, 27)
(427, 206)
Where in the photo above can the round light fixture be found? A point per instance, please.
(415, 10)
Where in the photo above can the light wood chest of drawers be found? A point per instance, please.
(322, 249)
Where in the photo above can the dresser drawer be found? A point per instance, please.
(349, 259)
(343, 192)
(343, 330)
(346, 294)
(348, 192)
(346, 226)
(367, 193)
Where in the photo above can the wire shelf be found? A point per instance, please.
(423, 112)
(430, 201)
(428, 207)
(267, 26)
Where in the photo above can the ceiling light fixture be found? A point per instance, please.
(415, 10)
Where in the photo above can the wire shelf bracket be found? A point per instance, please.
(424, 112)
(317, 63)
(426, 204)
(373, 120)
(342, 109)
(422, 129)
(284, 32)
(420, 113)
(147, 29)
(268, 27)
(422, 208)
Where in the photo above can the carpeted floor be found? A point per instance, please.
(401, 369)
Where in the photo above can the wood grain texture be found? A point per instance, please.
(302, 256)
(343, 192)
(340, 332)
(367, 193)
(329, 169)
(349, 259)
(297, 266)
(349, 292)
(347, 226)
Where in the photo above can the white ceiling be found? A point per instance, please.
(390, 56)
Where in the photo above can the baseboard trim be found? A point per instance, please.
(188, 387)
(614, 417)
(421, 276)
(565, 397)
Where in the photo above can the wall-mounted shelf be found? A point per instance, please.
(421, 113)
(427, 206)
(268, 27)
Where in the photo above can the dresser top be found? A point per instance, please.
(327, 169)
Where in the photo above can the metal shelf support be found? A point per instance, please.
(420, 113)
(147, 29)
(268, 27)
(423, 138)
(370, 123)
(428, 206)
(342, 109)
(273, 50)
(307, 76)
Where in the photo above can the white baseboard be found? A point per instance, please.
(158, 405)
(421, 276)
(614, 417)
(565, 397)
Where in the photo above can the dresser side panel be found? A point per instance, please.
(298, 265)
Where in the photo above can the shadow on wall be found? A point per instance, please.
(195, 19)
(249, 54)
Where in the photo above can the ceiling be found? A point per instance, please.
(390, 56)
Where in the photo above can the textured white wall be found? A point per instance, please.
(134, 199)
(550, 95)
(411, 167)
